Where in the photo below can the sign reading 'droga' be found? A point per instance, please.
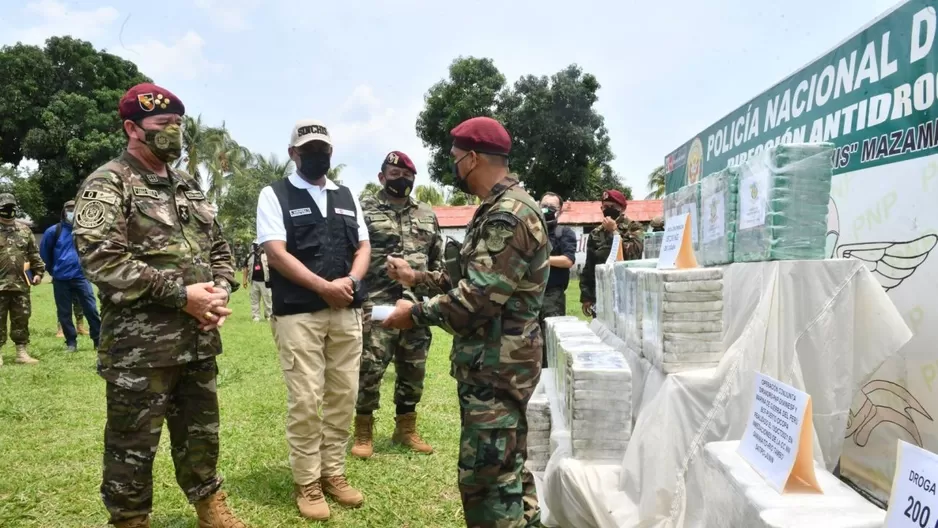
(914, 502)
(778, 440)
(677, 251)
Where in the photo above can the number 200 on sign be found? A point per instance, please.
(919, 513)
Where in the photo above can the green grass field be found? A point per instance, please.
(52, 420)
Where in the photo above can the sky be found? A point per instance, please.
(667, 69)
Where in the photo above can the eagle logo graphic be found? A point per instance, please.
(890, 262)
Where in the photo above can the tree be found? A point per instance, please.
(27, 190)
(371, 189)
(558, 137)
(335, 173)
(428, 194)
(59, 107)
(238, 210)
(471, 90)
(656, 181)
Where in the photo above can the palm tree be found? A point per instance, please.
(371, 189)
(194, 145)
(334, 173)
(270, 169)
(656, 182)
(428, 194)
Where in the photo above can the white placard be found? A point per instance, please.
(753, 194)
(691, 209)
(779, 424)
(671, 241)
(713, 223)
(914, 500)
(614, 252)
(381, 312)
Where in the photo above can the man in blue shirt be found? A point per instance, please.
(57, 250)
(562, 258)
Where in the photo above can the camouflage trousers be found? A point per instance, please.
(408, 349)
(19, 308)
(555, 305)
(77, 311)
(138, 400)
(497, 490)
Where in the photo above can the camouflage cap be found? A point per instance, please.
(7, 199)
(657, 222)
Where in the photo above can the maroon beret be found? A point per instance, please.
(147, 99)
(399, 159)
(613, 195)
(482, 134)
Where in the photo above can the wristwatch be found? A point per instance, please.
(355, 283)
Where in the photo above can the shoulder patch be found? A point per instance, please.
(502, 217)
(195, 195)
(100, 196)
(91, 214)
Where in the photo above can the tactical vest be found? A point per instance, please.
(326, 246)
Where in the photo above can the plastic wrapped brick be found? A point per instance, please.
(605, 294)
(652, 246)
(783, 203)
(685, 200)
(718, 209)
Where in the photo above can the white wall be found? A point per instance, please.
(459, 234)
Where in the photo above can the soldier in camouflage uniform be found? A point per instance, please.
(148, 238)
(492, 311)
(18, 247)
(599, 245)
(403, 227)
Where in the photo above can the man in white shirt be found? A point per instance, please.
(316, 241)
(256, 273)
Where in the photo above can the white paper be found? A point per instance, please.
(616, 242)
(914, 501)
(713, 222)
(691, 209)
(381, 312)
(671, 242)
(753, 195)
(770, 443)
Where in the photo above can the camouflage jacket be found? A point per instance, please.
(410, 232)
(17, 248)
(493, 310)
(598, 246)
(142, 238)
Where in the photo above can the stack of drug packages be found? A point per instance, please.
(627, 300)
(652, 246)
(682, 324)
(719, 208)
(538, 416)
(784, 195)
(606, 294)
(595, 385)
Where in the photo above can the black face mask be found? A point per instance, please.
(611, 212)
(399, 188)
(461, 184)
(315, 165)
(8, 212)
(550, 216)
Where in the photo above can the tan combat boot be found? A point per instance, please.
(311, 502)
(136, 522)
(214, 513)
(338, 488)
(364, 441)
(80, 328)
(405, 433)
(23, 357)
(60, 333)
